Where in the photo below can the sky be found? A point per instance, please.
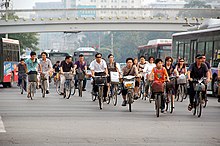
(28, 4)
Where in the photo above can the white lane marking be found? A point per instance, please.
(2, 127)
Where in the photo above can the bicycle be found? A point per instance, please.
(80, 77)
(43, 81)
(158, 92)
(181, 91)
(32, 79)
(57, 83)
(199, 87)
(129, 84)
(142, 89)
(100, 81)
(22, 85)
(68, 85)
(113, 93)
(170, 86)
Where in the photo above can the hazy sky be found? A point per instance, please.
(28, 4)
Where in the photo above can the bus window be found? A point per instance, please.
(201, 48)
(209, 46)
(187, 53)
(174, 50)
(181, 47)
(216, 58)
(193, 49)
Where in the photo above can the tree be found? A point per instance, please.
(27, 40)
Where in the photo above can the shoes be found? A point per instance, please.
(84, 89)
(61, 93)
(39, 87)
(124, 103)
(162, 110)
(136, 96)
(47, 92)
(28, 95)
(190, 107)
(104, 99)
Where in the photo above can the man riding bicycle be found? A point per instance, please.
(98, 67)
(21, 68)
(81, 65)
(197, 70)
(132, 70)
(33, 66)
(46, 68)
(65, 66)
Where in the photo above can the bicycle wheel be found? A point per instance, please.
(167, 99)
(43, 88)
(80, 88)
(32, 90)
(199, 106)
(68, 90)
(158, 104)
(195, 105)
(100, 97)
(115, 95)
(93, 97)
(108, 98)
(73, 88)
(58, 86)
(129, 101)
(171, 104)
(206, 102)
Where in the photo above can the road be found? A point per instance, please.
(78, 121)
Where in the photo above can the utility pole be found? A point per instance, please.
(112, 42)
(6, 12)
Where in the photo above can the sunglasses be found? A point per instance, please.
(98, 57)
(181, 61)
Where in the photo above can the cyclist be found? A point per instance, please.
(132, 70)
(81, 64)
(112, 67)
(181, 67)
(46, 68)
(148, 68)
(208, 65)
(141, 66)
(135, 62)
(56, 68)
(159, 74)
(33, 66)
(21, 68)
(196, 70)
(171, 72)
(98, 67)
(65, 66)
(218, 82)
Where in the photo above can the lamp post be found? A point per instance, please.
(6, 12)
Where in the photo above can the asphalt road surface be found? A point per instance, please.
(79, 121)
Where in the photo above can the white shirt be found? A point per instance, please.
(149, 67)
(46, 65)
(219, 66)
(98, 67)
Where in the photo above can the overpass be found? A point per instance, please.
(108, 19)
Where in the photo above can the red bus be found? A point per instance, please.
(158, 48)
(10, 51)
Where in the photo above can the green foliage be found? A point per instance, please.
(125, 43)
(27, 40)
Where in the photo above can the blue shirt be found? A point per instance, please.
(32, 66)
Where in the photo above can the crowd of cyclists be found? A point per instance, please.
(151, 75)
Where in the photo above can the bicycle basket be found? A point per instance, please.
(42, 77)
(32, 77)
(68, 76)
(80, 76)
(100, 80)
(129, 84)
(171, 84)
(157, 87)
(199, 87)
(181, 79)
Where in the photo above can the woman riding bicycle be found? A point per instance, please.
(171, 72)
(159, 76)
(181, 67)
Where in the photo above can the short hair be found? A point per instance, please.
(168, 57)
(150, 58)
(58, 61)
(158, 60)
(22, 59)
(81, 55)
(98, 54)
(67, 57)
(110, 55)
(44, 53)
(33, 53)
(129, 59)
(142, 57)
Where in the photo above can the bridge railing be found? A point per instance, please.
(111, 12)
